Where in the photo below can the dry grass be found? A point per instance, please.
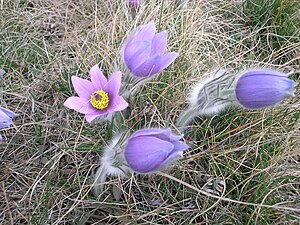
(51, 154)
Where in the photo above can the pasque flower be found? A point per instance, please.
(97, 97)
(152, 149)
(259, 88)
(134, 3)
(251, 89)
(144, 51)
(5, 118)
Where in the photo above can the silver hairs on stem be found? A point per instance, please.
(112, 163)
(209, 97)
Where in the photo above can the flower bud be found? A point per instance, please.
(134, 3)
(153, 149)
(144, 51)
(259, 88)
(5, 118)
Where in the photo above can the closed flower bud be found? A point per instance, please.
(259, 88)
(5, 118)
(144, 51)
(153, 149)
(251, 89)
(134, 3)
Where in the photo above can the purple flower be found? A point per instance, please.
(144, 51)
(134, 3)
(259, 88)
(152, 149)
(5, 118)
(97, 97)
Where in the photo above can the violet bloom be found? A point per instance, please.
(259, 88)
(134, 3)
(152, 149)
(97, 97)
(144, 51)
(5, 118)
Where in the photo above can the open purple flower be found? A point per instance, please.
(97, 97)
(152, 149)
(144, 51)
(259, 88)
(5, 118)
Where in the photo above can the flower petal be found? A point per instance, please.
(146, 154)
(84, 88)
(179, 146)
(255, 72)
(98, 79)
(155, 64)
(171, 158)
(8, 112)
(93, 116)
(118, 104)
(5, 120)
(159, 43)
(262, 88)
(80, 105)
(136, 53)
(4, 124)
(114, 85)
(157, 132)
(148, 68)
(143, 33)
(167, 59)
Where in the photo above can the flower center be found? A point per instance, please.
(99, 99)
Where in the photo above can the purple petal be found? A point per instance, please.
(148, 68)
(8, 112)
(146, 154)
(152, 132)
(134, 3)
(98, 79)
(143, 33)
(93, 116)
(261, 88)
(179, 146)
(167, 59)
(155, 64)
(136, 53)
(159, 43)
(80, 105)
(0, 138)
(171, 158)
(114, 85)
(5, 123)
(255, 72)
(163, 134)
(118, 104)
(84, 88)
(5, 120)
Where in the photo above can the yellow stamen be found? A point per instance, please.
(99, 99)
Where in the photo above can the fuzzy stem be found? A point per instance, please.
(186, 117)
(99, 180)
